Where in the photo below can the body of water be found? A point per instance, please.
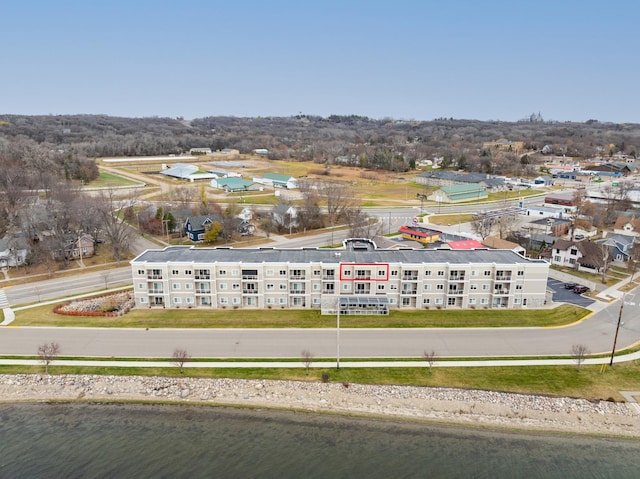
(144, 441)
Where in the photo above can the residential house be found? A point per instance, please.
(71, 246)
(626, 225)
(580, 255)
(494, 242)
(13, 250)
(543, 181)
(619, 245)
(285, 216)
(196, 226)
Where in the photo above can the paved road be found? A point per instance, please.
(596, 333)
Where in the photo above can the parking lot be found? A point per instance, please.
(563, 295)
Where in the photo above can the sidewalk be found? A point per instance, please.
(325, 364)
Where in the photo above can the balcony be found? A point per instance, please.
(409, 291)
(501, 292)
(249, 277)
(504, 277)
(456, 292)
(329, 277)
(154, 276)
(203, 277)
(410, 277)
(297, 291)
(203, 291)
(297, 276)
(156, 291)
(456, 278)
(249, 291)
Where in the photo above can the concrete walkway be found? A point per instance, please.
(325, 364)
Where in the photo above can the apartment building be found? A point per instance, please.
(361, 278)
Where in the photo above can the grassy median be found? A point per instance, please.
(243, 318)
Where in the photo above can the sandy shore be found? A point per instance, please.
(444, 405)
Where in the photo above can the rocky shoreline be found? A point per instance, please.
(444, 405)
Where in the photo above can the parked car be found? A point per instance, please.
(579, 289)
(570, 285)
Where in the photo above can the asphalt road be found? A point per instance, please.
(596, 333)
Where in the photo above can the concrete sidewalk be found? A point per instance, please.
(323, 364)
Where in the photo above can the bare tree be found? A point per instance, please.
(180, 357)
(360, 224)
(579, 352)
(307, 359)
(483, 226)
(117, 231)
(47, 353)
(430, 358)
(506, 225)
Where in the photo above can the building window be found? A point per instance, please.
(235, 272)
(472, 300)
(187, 272)
(142, 286)
(177, 300)
(473, 286)
(406, 301)
(222, 272)
(175, 271)
(426, 301)
(439, 301)
(346, 287)
(518, 286)
(283, 286)
(270, 287)
(235, 286)
(271, 300)
(516, 300)
(427, 287)
(236, 300)
(487, 273)
(316, 287)
(574, 252)
(440, 273)
(484, 301)
(394, 273)
(283, 272)
(393, 300)
(282, 300)
(439, 287)
(269, 272)
(381, 287)
(393, 286)
(316, 272)
(189, 300)
(176, 285)
(224, 300)
(485, 287)
(474, 273)
(381, 272)
(188, 286)
(520, 273)
(223, 286)
(427, 273)
(451, 301)
(557, 259)
(143, 300)
(347, 272)
(141, 271)
(316, 300)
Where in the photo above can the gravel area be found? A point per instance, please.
(446, 405)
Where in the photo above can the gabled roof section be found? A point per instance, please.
(624, 220)
(278, 177)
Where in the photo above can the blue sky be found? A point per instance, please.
(486, 60)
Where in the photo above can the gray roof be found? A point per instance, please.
(185, 254)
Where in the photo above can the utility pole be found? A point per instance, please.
(422, 197)
(615, 338)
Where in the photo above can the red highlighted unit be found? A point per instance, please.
(364, 271)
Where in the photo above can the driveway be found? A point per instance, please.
(562, 295)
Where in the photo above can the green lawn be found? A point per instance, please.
(106, 180)
(200, 318)
(588, 382)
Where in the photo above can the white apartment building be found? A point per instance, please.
(364, 279)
